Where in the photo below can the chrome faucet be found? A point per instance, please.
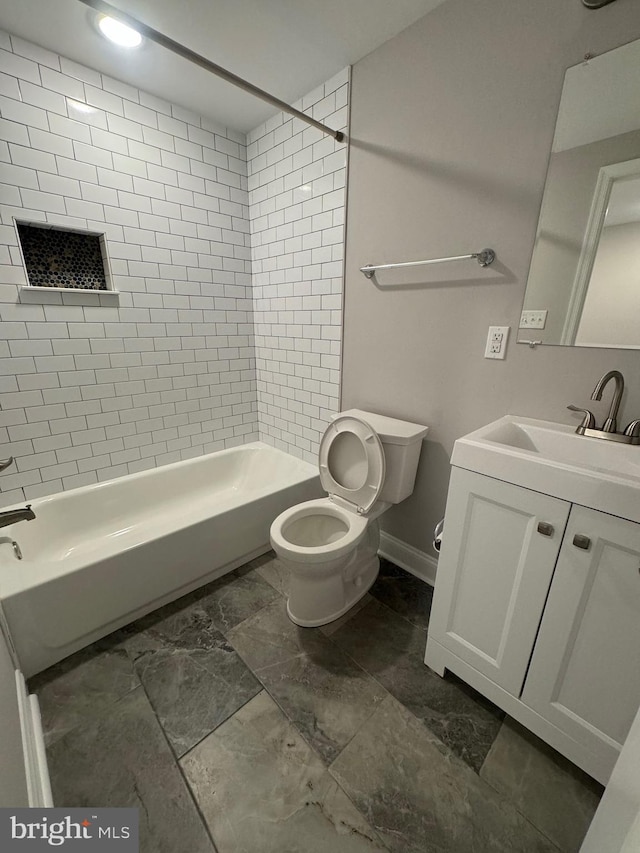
(610, 423)
(631, 435)
(11, 516)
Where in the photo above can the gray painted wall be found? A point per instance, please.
(452, 123)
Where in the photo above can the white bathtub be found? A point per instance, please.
(100, 556)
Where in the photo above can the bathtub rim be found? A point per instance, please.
(32, 573)
(141, 476)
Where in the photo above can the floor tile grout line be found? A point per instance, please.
(301, 734)
(523, 815)
(358, 666)
(222, 722)
(503, 797)
(256, 673)
(327, 767)
(374, 711)
(477, 772)
(275, 701)
(176, 762)
(372, 675)
(227, 631)
(293, 722)
(141, 684)
(450, 753)
(174, 757)
(422, 722)
(271, 666)
(93, 721)
(520, 812)
(192, 604)
(337, 781)
(196, 804)
(307, 741)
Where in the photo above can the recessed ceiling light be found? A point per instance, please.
(119, 33)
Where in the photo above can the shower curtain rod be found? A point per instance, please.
(218, 70)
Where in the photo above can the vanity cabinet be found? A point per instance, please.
(537, 606)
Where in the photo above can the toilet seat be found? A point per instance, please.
(349, 530)
(352, 464)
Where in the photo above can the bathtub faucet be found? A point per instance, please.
(11, 516)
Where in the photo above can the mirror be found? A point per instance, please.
(584, 281)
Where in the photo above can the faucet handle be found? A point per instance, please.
(588, 422)
(4, 463)
(633, 429)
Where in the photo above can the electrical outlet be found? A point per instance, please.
(497, 342)
(533, 319)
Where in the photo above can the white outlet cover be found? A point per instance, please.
(497, 342)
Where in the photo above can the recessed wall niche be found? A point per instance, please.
(64, 259)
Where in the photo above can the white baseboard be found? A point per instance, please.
(421, 565)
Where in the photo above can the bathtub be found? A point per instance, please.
(100, 556)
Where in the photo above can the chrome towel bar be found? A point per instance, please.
(484, 258)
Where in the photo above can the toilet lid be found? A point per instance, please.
(351, 461)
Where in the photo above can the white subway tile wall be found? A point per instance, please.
(297, 178)
(93, 388)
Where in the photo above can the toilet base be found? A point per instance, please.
(353, 592)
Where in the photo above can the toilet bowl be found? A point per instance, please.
(366, 462)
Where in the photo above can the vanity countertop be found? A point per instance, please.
(551, 458)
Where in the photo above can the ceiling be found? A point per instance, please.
(287, 47)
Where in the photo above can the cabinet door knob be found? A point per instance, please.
(581, 541)
(545, 528)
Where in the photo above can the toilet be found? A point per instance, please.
(367, 463)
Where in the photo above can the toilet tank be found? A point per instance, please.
(402, 442)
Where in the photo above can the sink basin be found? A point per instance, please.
(551, 458)
(562, 444)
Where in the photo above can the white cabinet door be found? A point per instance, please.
(499, 549)
(585, 671)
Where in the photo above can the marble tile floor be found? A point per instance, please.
(233, 730)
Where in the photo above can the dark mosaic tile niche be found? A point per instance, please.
(58, 258)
